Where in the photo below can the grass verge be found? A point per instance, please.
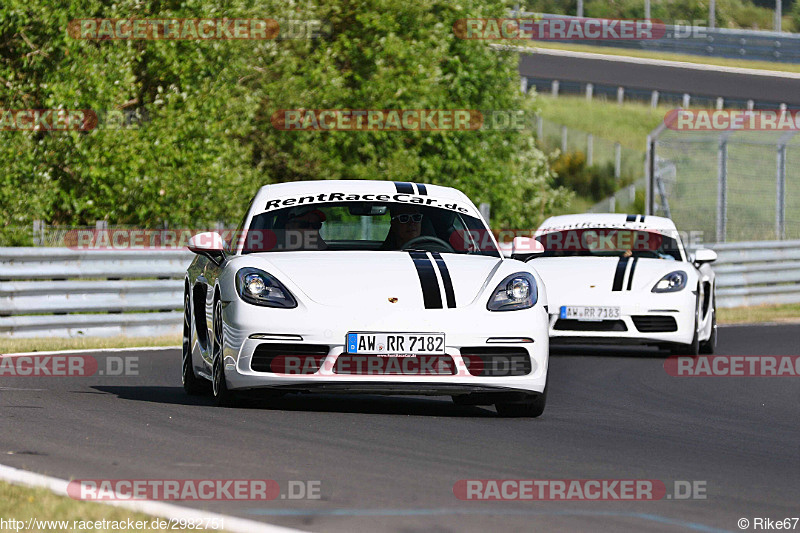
(65, 514)
(759, 313)
(628, 124)
(84, 343)
(666, 56)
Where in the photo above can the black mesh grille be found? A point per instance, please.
(653, 324)
(288, 358)
(568, 324)
(493, 361)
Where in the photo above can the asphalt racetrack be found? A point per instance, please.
(675, 79)
(390, 463)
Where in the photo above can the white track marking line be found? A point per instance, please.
(96, 350)
(160, 509)
(648, 61)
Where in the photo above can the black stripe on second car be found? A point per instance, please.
(619, 275)
(422, 189)
(431, 294)
(630, 276)
(404, 187)
(449, 294)
(630, 218)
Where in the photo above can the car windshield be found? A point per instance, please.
(375, 226)
(609, 242)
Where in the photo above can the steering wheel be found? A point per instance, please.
(435, 240)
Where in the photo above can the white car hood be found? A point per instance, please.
(370, 279)
(590, 280)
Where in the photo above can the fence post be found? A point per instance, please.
(712, 14)
(720, 103)
(589, 91)
(654, 99)
(722, 189)
(38, 232)
(620, 95)
(539, 128)
(589, 149)
(523, 85)
(780, 204)
(686, 100)
(563, 139)
(554, 89)
(617, 160)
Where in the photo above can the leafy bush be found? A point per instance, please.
(595, 181)
(209, 143)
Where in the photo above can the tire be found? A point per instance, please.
(192, 385)
(708, 346)
(530, 408)
(223, 396)
(694, 347)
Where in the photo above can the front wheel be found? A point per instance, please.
(694, 347)
(708, 347)
(223, 396)
(193, 385)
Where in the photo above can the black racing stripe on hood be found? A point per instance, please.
(619, 275)
(449, 294)
(427, 280)
(630, 276)
(404, 187)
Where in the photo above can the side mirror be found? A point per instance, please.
(209, 243)
(705, 255)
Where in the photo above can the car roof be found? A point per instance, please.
(608, 220)
(302, 188)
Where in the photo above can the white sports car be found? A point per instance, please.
(626, 279)
(365, 287)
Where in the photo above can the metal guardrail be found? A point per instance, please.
(58, 292)
(758, 45)
(757, 273)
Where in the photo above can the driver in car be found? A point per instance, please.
(302, 230)
(406, 224)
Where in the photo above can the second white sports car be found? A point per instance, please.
(626, 279)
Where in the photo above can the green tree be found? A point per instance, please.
(208, 143)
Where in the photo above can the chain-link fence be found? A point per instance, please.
(731, 185)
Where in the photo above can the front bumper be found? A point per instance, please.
(634, 317)
(470, 326)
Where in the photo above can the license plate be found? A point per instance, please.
(395, 343)
(589, 312)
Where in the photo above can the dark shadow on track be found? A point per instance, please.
(608, 351)
(322, 403)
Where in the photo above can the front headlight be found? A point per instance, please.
(672, 282)
(257, 287)
(517, 291)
